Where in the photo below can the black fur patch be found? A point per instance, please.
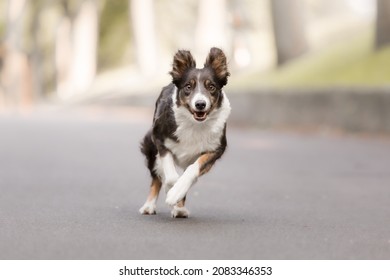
(164, 126)
(150, 151)
(164, 123)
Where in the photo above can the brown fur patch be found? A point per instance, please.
(154, 189)
(181, 203)
(182, 61)
(216, 60)
(205, 162)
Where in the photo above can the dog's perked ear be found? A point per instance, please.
(182, 62)
(216, 60)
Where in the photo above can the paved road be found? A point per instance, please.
(71, 186)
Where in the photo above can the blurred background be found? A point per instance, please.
(66, 50)
(308, 164)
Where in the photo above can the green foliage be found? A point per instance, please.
(348, 63)
(2, 20)
(114, 34)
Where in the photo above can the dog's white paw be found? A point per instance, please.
(148, 209)
(180, 212)
(175, 194)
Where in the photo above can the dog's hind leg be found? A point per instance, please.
(149, 208)
(179, 211)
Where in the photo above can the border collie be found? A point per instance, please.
(189, 129)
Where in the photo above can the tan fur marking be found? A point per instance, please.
(181, 203)
(203, 161)
(154, 189)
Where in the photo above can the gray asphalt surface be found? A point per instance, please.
(71, 186)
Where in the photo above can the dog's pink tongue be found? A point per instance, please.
(200, 116)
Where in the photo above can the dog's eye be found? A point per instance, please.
(212, 88)
(187, 89)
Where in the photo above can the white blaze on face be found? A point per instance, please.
(199, 96)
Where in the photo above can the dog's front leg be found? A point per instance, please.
(170, 175)
(189, 177)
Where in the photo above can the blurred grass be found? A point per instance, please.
(114, 35)
(349, 63)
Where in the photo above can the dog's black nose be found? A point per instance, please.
(200, 104)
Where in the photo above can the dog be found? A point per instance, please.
(189, 129)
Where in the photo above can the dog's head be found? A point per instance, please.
(199, 90)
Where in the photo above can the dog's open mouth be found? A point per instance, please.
(200, 116)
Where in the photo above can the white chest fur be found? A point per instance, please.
(195, 137)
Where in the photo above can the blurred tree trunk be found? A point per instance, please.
(382, 37)
(85, 36)
(63, 57)
(76, 49)
(36, 55)
(64, 50)
(289, 30)
(16, 74)
(211, 26)
(142, 23)
(2, 91)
